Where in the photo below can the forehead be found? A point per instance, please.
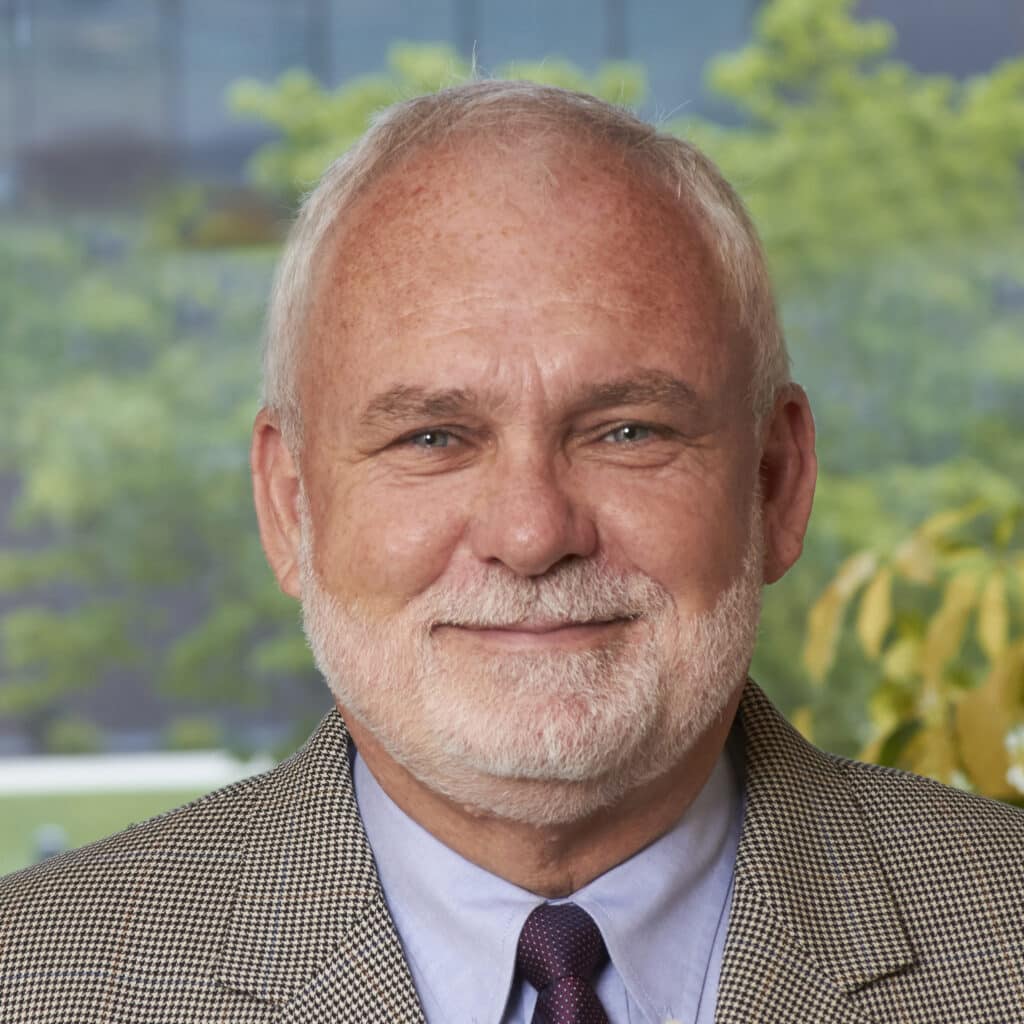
(474, 235)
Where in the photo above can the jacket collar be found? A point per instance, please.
(308, 911)
(807, 858)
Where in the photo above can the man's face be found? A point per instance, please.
(531, 547)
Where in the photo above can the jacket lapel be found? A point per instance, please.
(310, 933)
(813, 919)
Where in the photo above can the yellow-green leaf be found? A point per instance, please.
(875, 613)
(931, 752)
(981, 726)
(948, 520)
(902, 658)
(984, 717)
(822, 633)
(1004, 530)
(826, 615)
(854, 573)
(994, 616)
(887, 708)
(945, 633)
(914, 560)
(1006, 679)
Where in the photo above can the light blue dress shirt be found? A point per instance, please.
(663, 915)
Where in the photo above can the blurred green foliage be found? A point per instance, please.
(940, 617)
(847, 156)
(890, 204)
(317, 125)
(193, 732)
(197, 216)
(129, 376)
(74, 734)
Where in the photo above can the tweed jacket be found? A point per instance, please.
(861, 894)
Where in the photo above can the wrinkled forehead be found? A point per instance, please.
(495, 217)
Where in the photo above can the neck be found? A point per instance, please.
(552, 860)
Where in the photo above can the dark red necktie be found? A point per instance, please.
(560, 949)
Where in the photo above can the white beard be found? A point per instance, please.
(542, 738)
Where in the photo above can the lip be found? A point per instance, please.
(548, 625)
(538, 632)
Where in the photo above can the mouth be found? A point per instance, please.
(537, 633)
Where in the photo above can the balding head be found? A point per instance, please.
(510, 119)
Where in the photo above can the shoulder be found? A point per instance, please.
(189, 840)
(147, 901)
(868, 886)
(155, 907)
(172, 870)
(198, 841)
(919, 821)
(813, 816)
(901, 809)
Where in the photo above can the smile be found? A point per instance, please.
(536, 633)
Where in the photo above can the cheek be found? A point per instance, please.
(383, 546)
(689, 536)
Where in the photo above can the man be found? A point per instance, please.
(528, 452)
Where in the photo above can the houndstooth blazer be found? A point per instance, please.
(861, 894)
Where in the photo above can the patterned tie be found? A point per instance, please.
(560, 948)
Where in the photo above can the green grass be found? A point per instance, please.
(83, 816)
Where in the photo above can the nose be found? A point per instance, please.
(528, 519)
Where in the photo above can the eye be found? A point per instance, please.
(628, 432)
(430, 439)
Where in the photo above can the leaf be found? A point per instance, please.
(945, 633)
(994, 616)
(902, 658)
(854, 572)
(1005, 528)
(875, 613)
(1006, 679)
(889, 749)
(822, 633)
(945, 522)
(983, 719)
(826, 614)
(889, 710)
(1019, 567)
(980, 731)
(930, 751)
(915, 560)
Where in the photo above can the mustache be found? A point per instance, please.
(575, 592)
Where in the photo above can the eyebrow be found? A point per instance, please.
(648, 387)
(408, 401)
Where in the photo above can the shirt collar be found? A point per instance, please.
(459, 924)
(660, 911)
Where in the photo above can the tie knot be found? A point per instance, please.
(558, 941)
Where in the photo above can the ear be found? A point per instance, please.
(789, 469)
(275, 486)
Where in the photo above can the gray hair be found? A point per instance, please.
(513, 109)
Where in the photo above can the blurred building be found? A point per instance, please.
(137, 86)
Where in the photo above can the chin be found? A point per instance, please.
(542, 739)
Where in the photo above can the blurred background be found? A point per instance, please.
(151, 153)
